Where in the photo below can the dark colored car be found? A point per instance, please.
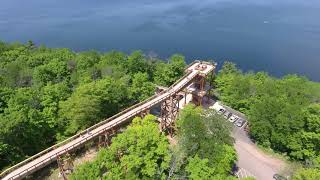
(221, 111)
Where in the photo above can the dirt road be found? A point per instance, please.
(252, 161)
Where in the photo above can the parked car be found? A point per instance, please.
(278, 177)
(227, 115)
(221, 111)
(233, 118)
(240, 122)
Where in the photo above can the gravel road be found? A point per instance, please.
(252, 161)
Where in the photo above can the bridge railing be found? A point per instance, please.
(9, 170)
(84, 140)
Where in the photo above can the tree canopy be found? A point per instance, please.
(204, 151)
(49, 94)
(283, 113)
(307, 174)
(140, 152)
(204, 140)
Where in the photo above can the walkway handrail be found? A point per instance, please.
(84, 139)
(9, 170)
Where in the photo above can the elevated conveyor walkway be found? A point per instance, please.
(49, 155)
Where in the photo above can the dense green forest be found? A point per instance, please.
(49, 94)
(204, 150)
(284, 114)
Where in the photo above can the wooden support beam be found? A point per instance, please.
(65, 165)
(169, 113)
(61, 169)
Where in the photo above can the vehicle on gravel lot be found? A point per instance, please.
(233, 118)
(278, 177)
(221, 111)
(227, 115)
(240, 122)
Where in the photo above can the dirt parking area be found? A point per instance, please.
(252, 161)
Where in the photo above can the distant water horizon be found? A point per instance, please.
(278, 37)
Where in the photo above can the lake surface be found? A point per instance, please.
(277, 36)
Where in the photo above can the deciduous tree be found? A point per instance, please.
(140, 152)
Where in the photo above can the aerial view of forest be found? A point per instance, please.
(48, 95)
(170, 90)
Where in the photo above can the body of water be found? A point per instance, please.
(277, 36)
